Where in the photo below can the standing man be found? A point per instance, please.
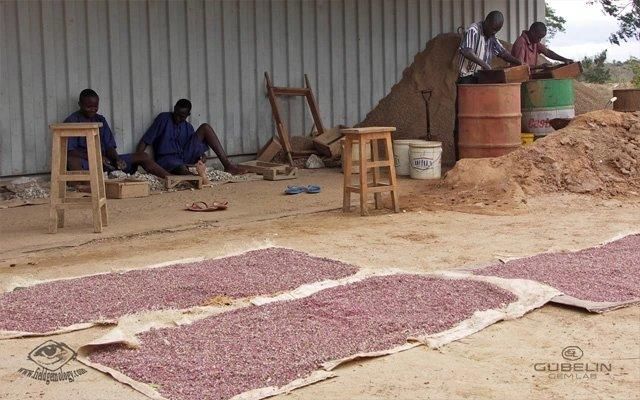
(176, 144)
(527, 46)
(477, 48)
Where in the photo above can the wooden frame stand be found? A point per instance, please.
(60, 176)
(307, 93)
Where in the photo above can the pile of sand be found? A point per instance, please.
(435, 68)
(598, 153)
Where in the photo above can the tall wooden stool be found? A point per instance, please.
(60, 176)
(362, 137)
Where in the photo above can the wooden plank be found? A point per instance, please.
(505, 75)
(126, 189)
(323, 142)
(290, 91)
(269, 150)
(172, 180)
(313, 107)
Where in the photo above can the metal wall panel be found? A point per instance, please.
(143, 55)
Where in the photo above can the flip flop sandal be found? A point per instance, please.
(204, 207)
(294, 190)
(313, 189)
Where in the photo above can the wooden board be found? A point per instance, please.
(126, 189)
(274, 175)
(564, 71)
(269, 150)
(323, 142)
(173, 180)
(259, 167)
(506, 75)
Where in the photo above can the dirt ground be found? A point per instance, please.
(497, 362)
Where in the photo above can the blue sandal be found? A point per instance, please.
(294, 190)
(313, 189)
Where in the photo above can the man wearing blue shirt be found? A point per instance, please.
(176, 144)
(77, 147)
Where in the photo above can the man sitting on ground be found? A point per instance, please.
(176, 145)
(527, 46)
(77, 147)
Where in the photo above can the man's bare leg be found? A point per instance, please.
(206, 133)
(148, 164)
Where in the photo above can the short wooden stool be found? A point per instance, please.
(60, 176)
(362, 137)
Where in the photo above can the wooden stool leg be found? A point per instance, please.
(347, 165)
(375, 156)
(102, 191)
(55, 183)
(95, 183)
(62, 184)
(392, 175)
(363, 177)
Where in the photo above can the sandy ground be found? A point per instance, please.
(495, 363)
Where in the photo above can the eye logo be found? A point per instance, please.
(572, 353)
(51, 355)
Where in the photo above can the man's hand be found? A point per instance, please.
(121, 164)
(486, 66)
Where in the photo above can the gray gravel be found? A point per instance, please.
(53, 305)
(607, 273)
(271, 345)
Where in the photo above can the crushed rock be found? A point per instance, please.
(27, 188)
(598, 153)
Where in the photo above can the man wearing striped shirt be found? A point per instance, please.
(477, 48)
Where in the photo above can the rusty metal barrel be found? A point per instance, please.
(627, 100)
(489, 119)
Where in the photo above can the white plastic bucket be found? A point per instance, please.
(425, 160)
(401, 155)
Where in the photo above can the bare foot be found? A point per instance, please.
(235, 170)
(201, 169)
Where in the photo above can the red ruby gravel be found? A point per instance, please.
(271, 345)
(608, 273)
(53, 305)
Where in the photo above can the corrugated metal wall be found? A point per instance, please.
(141, 56)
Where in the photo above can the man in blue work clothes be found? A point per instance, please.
(176, 145)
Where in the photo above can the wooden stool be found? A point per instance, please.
(362, 137)
(60, 176)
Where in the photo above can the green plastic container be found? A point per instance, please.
(543, 100)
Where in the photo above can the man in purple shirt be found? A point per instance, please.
(176, 144)
(77, 147)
